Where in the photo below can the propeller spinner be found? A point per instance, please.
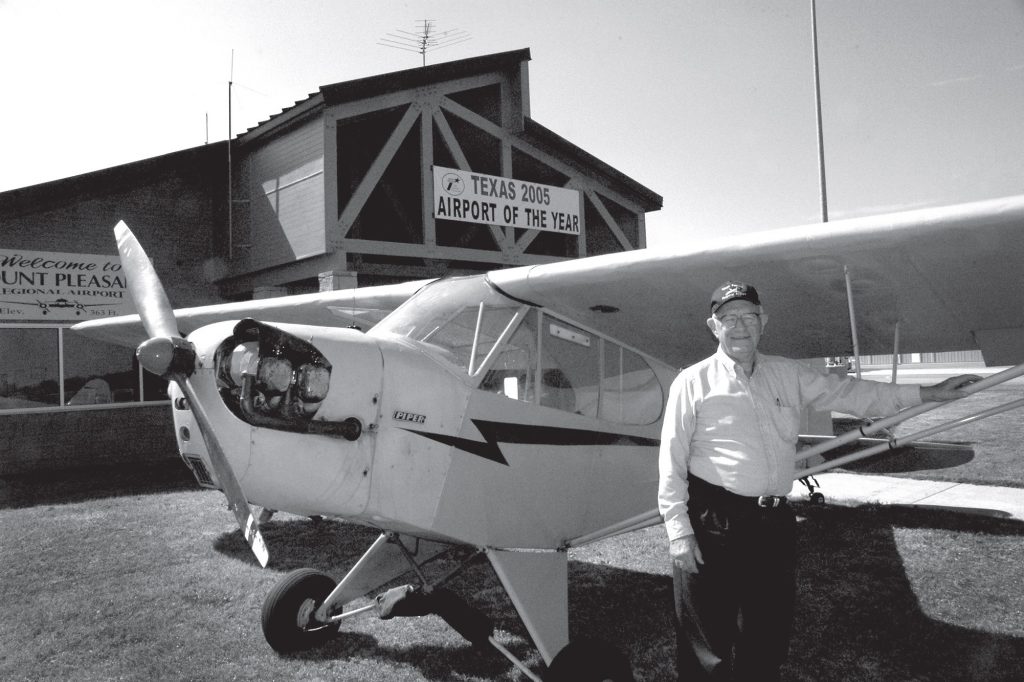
(167, 354)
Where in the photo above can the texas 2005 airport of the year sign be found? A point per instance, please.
(493, 200)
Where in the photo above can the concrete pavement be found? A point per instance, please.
(854, 489)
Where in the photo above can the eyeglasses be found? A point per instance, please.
(730, 321)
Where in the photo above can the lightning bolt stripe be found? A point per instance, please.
(530, 434)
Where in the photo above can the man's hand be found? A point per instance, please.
(685, 553)
(950, 389)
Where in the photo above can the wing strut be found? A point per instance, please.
(892, 442)
(853, 320)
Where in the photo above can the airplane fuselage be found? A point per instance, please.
(490, 423)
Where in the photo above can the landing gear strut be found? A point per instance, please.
(304, 610)
(812, 486)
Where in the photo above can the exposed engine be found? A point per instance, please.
(273, 379)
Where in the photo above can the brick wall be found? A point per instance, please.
(74, 439)
(175, 205)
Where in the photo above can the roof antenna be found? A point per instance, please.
(427, 39)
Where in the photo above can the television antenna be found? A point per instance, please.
(426, 39)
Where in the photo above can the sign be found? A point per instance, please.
(477, 198)
(44, 286)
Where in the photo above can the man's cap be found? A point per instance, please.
(733, 291)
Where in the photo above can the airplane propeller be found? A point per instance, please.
(172, 357)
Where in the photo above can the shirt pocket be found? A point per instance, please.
(786, 421)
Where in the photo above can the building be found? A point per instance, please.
(334, 192)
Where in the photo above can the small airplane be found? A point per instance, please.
(518, 412)
(60, 303)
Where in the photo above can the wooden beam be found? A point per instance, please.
(309, 268)
(609, 220)
(407, 250)
(401, 98)
(331, 182)
(427, 176)
(448, 135)
(575, 174)
(376, 171)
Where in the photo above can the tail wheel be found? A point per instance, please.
(589, 660)
(288, 617)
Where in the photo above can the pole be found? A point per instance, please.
(231, 253)
(895, 351)
(822, 193)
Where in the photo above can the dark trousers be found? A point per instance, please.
(734, 616)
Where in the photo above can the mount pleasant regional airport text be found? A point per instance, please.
(475, 197)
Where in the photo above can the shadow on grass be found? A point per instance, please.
(93, 483)
(629, 609)
(906, 459)
(859, 616)
(885, 593)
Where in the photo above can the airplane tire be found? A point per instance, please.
(287, 615)
(589, 660)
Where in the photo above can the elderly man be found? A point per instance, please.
(726, 464)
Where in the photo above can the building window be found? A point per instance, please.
(65, 368)
(30, 369)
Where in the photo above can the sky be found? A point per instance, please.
(709, 103)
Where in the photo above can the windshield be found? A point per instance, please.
(460, 318)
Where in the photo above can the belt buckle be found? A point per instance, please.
(769, 501)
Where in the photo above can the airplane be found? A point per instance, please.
(60, 303)
(518, 412)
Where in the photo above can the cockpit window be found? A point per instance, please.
(460, 319)
(513, 370)
(555, 364)
(630, 390)
(525, 354)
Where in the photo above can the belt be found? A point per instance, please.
(709, 491)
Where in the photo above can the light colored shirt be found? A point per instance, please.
(741, 433)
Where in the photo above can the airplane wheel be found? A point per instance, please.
(589, 660)
(287, 616)
(817, 498)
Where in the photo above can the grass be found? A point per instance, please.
(131, 575)
(159, 585)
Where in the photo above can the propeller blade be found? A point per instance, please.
(232, 489)
(167, 354)
(144, 285)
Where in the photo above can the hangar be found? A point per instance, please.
(402, 176)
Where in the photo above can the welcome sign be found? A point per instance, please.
(48, 286)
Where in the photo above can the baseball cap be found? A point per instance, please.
(733, 291)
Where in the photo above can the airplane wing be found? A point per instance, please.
(362, 307)
(951, 277)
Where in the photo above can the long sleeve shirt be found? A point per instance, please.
(740, 432)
